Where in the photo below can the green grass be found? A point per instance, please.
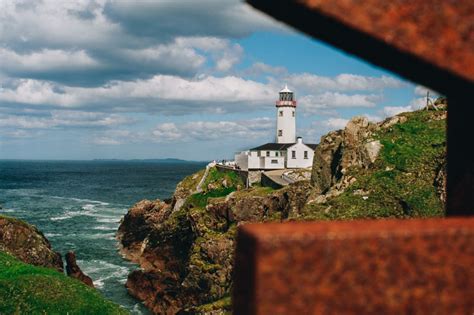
(26, 289)
(400, 183)
(200, 199)
(216, 177)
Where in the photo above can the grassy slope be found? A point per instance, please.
(26, 289)
(400, 183)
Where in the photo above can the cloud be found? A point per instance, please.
(165, 19)
(422, 90)
(69, 119)
(213, 130)
(157, 94)
(88, 43)
(260, 68)
(45, 60)
(309, 83)
(336, 123)
(324, 101)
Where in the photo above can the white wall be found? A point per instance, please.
(241, 160)
(258, 160)
(286, 123)
(299, 161)
(273, 163)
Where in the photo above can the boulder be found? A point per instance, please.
(73, 270)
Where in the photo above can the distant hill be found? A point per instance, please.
(167, 160)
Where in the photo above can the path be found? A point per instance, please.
(201, 182)
(276, 176)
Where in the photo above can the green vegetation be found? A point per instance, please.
(223, 306)
(400, 183)
(26, 289)
(200, 199)
(217, 179)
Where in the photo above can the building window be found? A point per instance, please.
(293, 113)
(306, 154)
(280, 113)
(280, 133)
(276, 153)
(293, 154)
(268, 153)
(274, 161)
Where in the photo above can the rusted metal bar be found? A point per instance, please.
(428, 41)
(360, 267)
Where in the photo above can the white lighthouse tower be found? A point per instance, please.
(286, 117)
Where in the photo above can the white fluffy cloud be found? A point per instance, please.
(212, 130)
(329, 100)
(64, 119)
(307, 82)
(336, 123)
(45, 60)
(91, 42)
(214, 94)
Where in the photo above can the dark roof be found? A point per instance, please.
(279, 146)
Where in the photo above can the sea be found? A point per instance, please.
(78, 206)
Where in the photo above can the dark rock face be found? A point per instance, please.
(73, 270)
(28, 244)
(186, 256)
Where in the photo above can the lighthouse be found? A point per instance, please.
(288, 151)
(286, 117)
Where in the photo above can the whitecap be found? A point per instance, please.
(67, 215)
(105, 228)
(102, 203)
(109, 220)
(109, 236)
(88, 207)
(52, 234)
(7, 210)
(100, 271)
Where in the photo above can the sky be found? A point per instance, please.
(171, 79)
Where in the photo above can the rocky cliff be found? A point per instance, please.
(185, 247)
(28, 244)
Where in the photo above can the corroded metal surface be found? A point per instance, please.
(359, 267)
(437, 35)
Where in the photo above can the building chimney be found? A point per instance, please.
(299, 140)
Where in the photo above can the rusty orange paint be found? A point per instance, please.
(423, 40)
(360, 267)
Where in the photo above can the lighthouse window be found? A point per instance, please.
(280, 133)
(293, 154)
(293, 113)
(306, 154)
(281, 113)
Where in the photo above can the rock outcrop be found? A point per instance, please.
(28, 244)
(344, 149)
(73, 270)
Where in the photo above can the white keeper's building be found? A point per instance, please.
(288, 151)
